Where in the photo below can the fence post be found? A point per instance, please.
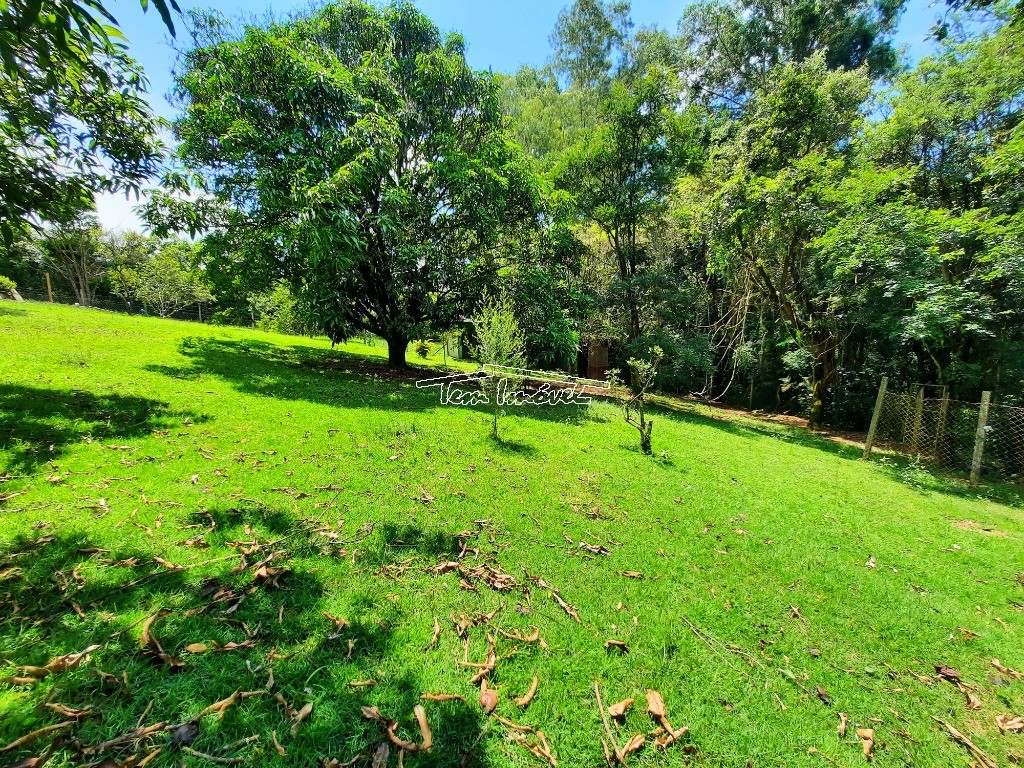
(940, 431)
(49, 290)
(918, 411)
(876, 416)
(979, 438)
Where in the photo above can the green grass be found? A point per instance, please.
(133, 435)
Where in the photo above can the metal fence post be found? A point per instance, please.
(876, 416)
(979, 437)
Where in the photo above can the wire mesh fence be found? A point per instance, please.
(924, 423)
(195, 312)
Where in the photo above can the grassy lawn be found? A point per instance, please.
(783, 580)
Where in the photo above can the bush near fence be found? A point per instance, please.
(924, 423)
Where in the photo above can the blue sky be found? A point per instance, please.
(500, 34)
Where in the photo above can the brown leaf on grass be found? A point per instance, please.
(339, 623)
(425, 733)
(516, 634)
(441, 697)
(29, 738)
(301, 715)
(197, 647)
(277, 744)
(527, 697)
(488, 666)
(867, 741)
(66, 711)
(168, 564)
(630, 574)
(635, 744)
(619, 709)
(843, 722)
(268, 576)
(134, 735)
(617, 645)
(436, 635)
(363, 684)
(1010, 723)
(488, 698)
(596, 549)
(973, 702)
(56, 666)
(1006, 670)
(822, 694)
(539, 749)
(569, 609)
(656, 705)
(982, 759)
(670, 737)
(220, 707)
(151, 645)
(391, 726)
(947, 673)
(15, 681)
(515, 726)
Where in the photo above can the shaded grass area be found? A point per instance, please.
(123, 439)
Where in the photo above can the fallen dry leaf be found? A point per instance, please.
(843, 722)
(277, 744)
(301, 715)
(867, 739)
(656, 704)
(527, 697)
(1006, 670)
(616, 644)
(1010, 723)
(441, 697)
(982, 759)
(28, 738)
(635, 744)
(619, 709)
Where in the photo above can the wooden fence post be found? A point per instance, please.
(940, 430)
(979, 437)
(918, 411)
(49, 290)
(876, 416)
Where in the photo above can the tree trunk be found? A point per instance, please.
(396, 351)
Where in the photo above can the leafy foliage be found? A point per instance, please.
(366, 158)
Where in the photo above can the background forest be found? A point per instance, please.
(764, 193)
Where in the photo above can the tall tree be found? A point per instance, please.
(72, 250)
(619, 174)
(733, 46)
(588, 37)
(370, 157)
(761, 205)
(73, 115)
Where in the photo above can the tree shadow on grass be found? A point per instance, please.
(303, 373)
(37, 424)
(63, 593)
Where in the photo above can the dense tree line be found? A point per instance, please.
(766, 195)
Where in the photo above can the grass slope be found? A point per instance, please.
(123, 438)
